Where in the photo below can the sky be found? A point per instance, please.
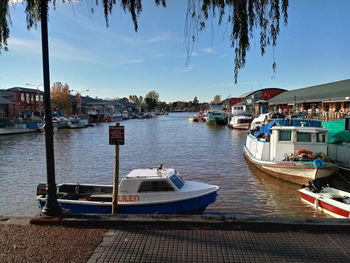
(116, 61)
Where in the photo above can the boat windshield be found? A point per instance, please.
(177, 181)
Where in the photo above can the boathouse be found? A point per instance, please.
(325, 101)
(249, 102)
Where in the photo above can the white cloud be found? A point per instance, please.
(208, 50)
(58, 49)
(185, 69)
(163, 37)
(132, 61)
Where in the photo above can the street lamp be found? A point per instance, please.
(39, 100)
(78, 95)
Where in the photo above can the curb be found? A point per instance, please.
(226, 222)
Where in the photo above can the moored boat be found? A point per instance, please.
(20, 127)
(327, 199)
(216, 116)
(240, 122)
(142, 191)
(290, 149)
(76, 123)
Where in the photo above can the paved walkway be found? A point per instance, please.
(159, 245)
(222, 240)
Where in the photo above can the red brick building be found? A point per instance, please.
(25, 101)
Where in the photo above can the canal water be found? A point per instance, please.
(211, 154)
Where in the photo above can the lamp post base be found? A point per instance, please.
(51, 209)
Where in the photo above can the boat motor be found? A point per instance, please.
(41, 189)
(315, 186)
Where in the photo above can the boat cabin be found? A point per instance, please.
(280, 137)
(151, 180)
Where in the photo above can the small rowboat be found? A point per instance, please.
(142, 191)
(327, 199)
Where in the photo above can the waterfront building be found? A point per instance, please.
(251, 101)
(326, 101)
(24, 102)
(5, 104)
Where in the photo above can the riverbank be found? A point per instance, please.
(23, 242)
(220, 238)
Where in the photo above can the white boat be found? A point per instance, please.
(290, 149)
(117, 117)
(76, 123)
(60, 122)
(327, 199)
(240, 122)
(142, 191)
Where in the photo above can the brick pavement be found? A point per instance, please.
(198, 245)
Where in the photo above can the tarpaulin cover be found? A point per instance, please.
(265, 129)
(333, 128)
(287, 122)
(343, 136)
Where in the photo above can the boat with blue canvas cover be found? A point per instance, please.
(290, 149)
(20, 127)
(142, 191)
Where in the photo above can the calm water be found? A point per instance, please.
(199, 152)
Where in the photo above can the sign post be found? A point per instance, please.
(116, 137)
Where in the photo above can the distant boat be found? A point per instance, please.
(142, 191)
(76, 123)
(60, 122)
(240, 117)
(20, 127)
(240, 122)
(216, 116)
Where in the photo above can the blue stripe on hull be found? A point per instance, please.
(167, 208)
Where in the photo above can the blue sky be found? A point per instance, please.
(313, 49)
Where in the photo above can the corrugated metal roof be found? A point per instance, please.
(21, 89)
(334, 91)
(248, 93)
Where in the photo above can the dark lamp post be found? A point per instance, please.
(51, 207)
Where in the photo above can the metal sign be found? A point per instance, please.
(116, 135)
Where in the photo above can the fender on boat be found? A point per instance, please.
(319, 164)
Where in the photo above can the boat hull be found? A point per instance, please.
(189, 206)
(216, 121)
(244, 126)
(326, 205)
(295, 172)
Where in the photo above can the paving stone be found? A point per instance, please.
(171, 245)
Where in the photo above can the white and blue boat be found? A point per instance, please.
(142, 191)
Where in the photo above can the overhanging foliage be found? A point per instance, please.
(243, 17)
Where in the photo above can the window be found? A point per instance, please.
(32, 98)
(27, 98)
(320, 137)
(303, 137)
(155, 186)
(285, 136)
(177, 181)
(37, 98)
(41, 98)
(22, 97)
(244, 121)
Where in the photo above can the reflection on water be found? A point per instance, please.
(211, 154)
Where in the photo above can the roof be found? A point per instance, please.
(25, 90)
(244, 95)
(150, 173)
(334, 91)
(5, 101)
